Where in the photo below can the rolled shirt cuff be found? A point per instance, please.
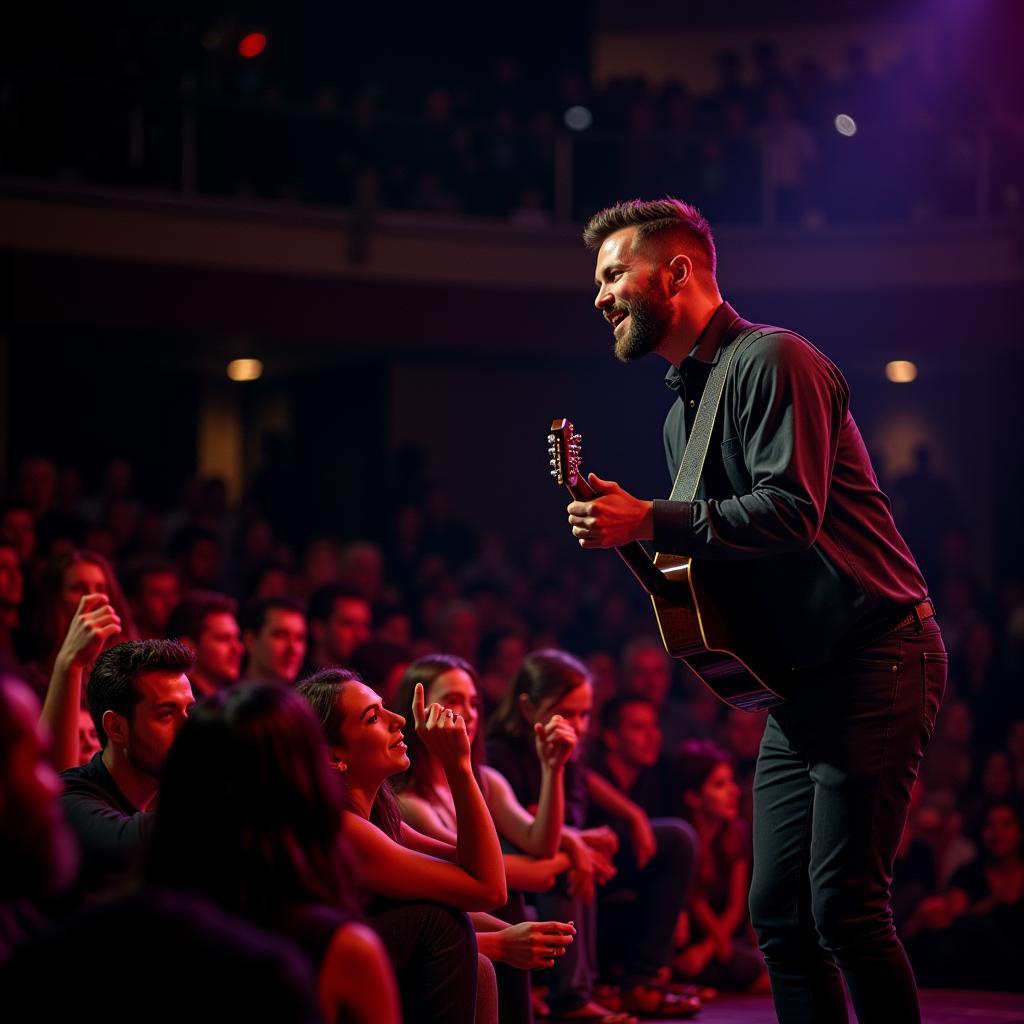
(673, 526)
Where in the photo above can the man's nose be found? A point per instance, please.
(603, 299)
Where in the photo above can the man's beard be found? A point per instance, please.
(649, 322)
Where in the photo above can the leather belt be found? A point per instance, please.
(873, 632)
(919, 613)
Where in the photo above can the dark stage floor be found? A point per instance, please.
(951, 1006)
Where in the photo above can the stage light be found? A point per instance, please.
(252, 45)
(245, 369)
(901, 371)
(578, 119)
(845, 125)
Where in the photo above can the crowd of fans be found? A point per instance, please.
(919, 139)
(425, 774)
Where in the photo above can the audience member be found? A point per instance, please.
(427, 805)
(420, 886)
(139, 697)
(12, 593)
(249, 774)
(715, 933)
(647, 673)
(94, 626)
(658, 852)
(969, 934)
(553, 683)
(38, 856)
(64, 582)
(340, 620)
(274, 634)
(154, 591)
(205, 623)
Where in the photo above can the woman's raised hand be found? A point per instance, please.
(442, 731)
(94, 622)
(556, 740)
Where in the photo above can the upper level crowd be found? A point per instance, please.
(172, 106)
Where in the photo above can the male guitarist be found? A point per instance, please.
(789, 499)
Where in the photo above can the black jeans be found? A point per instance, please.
(639, 907)
(432, 949)
(831, 792)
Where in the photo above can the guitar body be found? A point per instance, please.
(699, 629)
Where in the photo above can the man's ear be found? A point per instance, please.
(610, 739)
(681, 268)
(691, 799)
(116, 727)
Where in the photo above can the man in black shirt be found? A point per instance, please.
(788, 487)
(139, 697)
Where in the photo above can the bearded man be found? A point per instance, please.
(788, 488)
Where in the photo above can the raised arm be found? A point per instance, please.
(537, 834)
(615, 802)
(477, 849)
(93, 623)
(389, 869)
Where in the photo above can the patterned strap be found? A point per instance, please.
(692, 464)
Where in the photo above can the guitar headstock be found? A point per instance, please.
(565, 453)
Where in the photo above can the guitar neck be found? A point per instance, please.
(634, 554)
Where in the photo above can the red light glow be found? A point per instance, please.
(252, 45)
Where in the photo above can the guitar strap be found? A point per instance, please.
(692, 464)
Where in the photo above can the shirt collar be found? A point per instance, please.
(710, 342)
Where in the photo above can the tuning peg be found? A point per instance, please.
(554, 473)
(551, 438)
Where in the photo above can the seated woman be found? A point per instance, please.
(401, 867)
(426, 803)
(970, 935)
(248, 780)
(718, 946)
(552, 684)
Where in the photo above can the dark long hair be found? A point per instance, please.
(322, 691)
(545, 675)
(48, 624)
(427, 670)
(250, 811)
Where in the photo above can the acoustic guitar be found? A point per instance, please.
(698, 606)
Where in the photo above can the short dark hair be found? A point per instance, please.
(144, 567)
(655, 218)
(254, 617)
(190, 614)
(611, 710)
(112, 682)
(321, 604)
